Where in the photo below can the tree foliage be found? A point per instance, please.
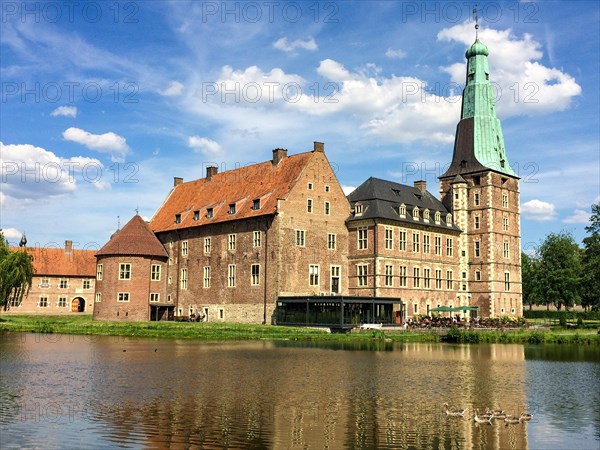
(530, 266)
(16, 273)
(590, 279)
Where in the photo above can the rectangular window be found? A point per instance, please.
(231, 275)
(87, 284)
(389, 238)
(476, 222)
(416, 308)
(476, 200)
(331, 241)
(206, 278)
(43, 303)
(44, 283)
(231, 242)
(63, 283)
(154, 297)
(256, 204)
(327, 188)
(477, 249)
(155, 272)
(124, 271)
(416, 277)
(438, 278)
(389, 275)
(207, 245)
(427, 278)
(256, 239)
(449, 247)
(300, 238)
(506, 281)
(336, 279)
(255, 270)
(309, 206)
(478, 275)
(506, 250)
(403, 276)
(183, 279)
(232, 208)
(362, 272)
(313, 275)
(437, 245)
(184, 248)
(505, 224)
(416, 247)
(221, 313)
(327, 208)
(362, 238)
(62, 302)
(309, 186)
(177, 218)
(209, 213)
(98, 297)
(426, 244)
(196, 215)
(449, 279)
(123, 297)
(402, 241)
(504, 200)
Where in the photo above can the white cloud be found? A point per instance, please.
(289, 47)
(109, 142)
(538, 210)
(204, 145)
(12, 233)
(578, 216)
(395, 54)
(174, 89)
(348, 189)
(66, 111)
(523, 85)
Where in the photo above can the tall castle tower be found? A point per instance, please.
(482, 191)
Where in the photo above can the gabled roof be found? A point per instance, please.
(58, 262)
(135, 239)
(264, 181)
(382, 199)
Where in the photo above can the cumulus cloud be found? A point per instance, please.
(12, 233)
(110, 142)
(578, 216)
(174, 89)
(395, 54)
(348, 189)
(284, 45)
(66, 111)
(538, 210)
(204, 145)
(523, 85)
(32, 173)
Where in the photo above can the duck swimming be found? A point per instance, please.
(455, 412)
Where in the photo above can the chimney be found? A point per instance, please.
(278, 155)
(211, 171)
(177, 181)
(319, 147)
(68, 247)
(421, 185)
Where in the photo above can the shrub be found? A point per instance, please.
(562, 320)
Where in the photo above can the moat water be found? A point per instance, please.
(59, 391)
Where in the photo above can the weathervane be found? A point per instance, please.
(476, 22)
(137, 210)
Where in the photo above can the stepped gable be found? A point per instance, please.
(60, 262)
(188, 203)
(135, 239)
(381, 199)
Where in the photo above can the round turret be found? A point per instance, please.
(477, 48)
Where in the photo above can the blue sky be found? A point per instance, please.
(103, 103)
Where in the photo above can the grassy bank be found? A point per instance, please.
(71, 324)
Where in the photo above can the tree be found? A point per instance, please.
(560, 270)
(530, 273)
(590, 279)
(16, 273)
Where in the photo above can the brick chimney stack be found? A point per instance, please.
(211, 171)
(421, 185)
(177, 181)
(319, 147)
(278, 155)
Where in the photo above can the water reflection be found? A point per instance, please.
(103, 392)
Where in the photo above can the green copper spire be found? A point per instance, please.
(479, 143)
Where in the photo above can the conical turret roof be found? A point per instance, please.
(135, 239)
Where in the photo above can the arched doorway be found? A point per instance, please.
(78, 305)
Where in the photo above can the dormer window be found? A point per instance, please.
(426, 215)
(358, 209)
(196, 215)
(449, 220)
(402, 210)
(177, 218)
(415, 213)
(232, 208)
(209, 213)
(256, 204)
(438, 217)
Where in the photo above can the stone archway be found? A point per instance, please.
(78, 305)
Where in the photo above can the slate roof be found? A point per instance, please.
(57, 262)
(135, 239)
(241, 187)
(382, 199)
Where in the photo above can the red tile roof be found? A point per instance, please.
(241, 187)
(57, 262)
(135, 238)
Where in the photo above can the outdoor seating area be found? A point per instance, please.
(437, 321)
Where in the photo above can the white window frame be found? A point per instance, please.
(155, 272)
(402, 240)
(362, 238)
(255, 275)
(313, 275)
(184, 248)
(362, 273)
(98, 297)
(206, 277)
(300, 238)
(231, 242)
(256, 235)
(389, 238)
(416, 244)
(231, 275)
(403, 276)
(426, 243)
(331, 241)
(125, 269)
(154, 297)
(389, 275)
(327, 208)
(207, 245)
(309, 205)
(183, 279)
(123, 297)
(416, 277)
